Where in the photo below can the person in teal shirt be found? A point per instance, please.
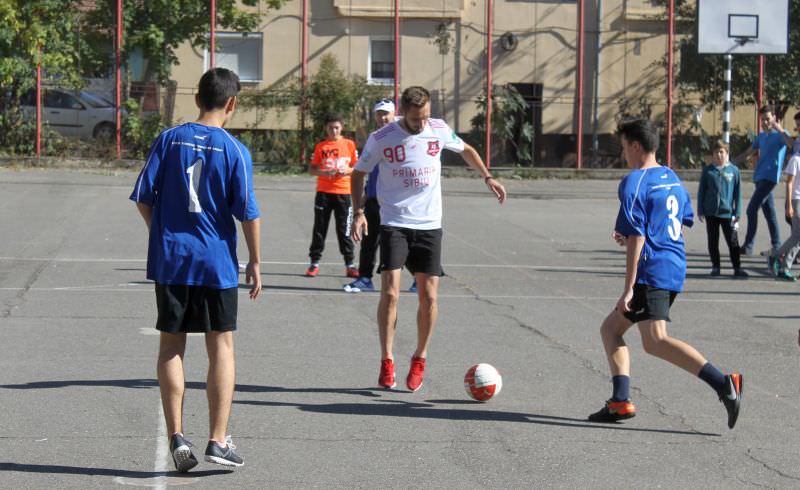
(719, 203)
(771, 145)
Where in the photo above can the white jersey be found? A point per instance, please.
(409, 184)
(793, 168)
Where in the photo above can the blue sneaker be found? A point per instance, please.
(360, 284)
(413, 288)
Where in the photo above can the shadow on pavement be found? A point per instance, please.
(81, 470)
(192, 385)
(429, 410)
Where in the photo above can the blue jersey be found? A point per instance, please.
(771, 148)
(655, 204)
(371, 189)
(196, 179)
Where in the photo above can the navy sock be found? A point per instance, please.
(713, 377)
(622, 388)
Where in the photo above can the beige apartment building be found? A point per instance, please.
(443, 47)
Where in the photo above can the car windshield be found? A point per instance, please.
(95, 100)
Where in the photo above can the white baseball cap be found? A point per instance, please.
(384, 105)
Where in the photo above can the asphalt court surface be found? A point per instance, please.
(527, 286)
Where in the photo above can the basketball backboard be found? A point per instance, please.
(743, 26)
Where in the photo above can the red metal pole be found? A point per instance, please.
(579, 142)
(489, 25)
(304, 83)
(760, 98)
(118, 70)
(39, 105)
(213, 48)
(397, 52)
(670, 44)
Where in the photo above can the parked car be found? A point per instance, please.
(78, 114)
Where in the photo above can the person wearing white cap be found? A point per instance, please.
(384, 113)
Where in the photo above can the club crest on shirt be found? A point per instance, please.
(433, 148)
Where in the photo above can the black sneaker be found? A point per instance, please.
(740, 273)
(182, 455)
(223, 455)
(732, 397)
(614, 412)
(715, 271)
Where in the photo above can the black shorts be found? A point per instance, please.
(650, 303)
(419, 250)
(188, 309)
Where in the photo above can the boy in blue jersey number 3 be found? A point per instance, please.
(197, 178)
(654, 207)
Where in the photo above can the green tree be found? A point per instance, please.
(33, 32)
(701, 74)
(328, 90)
(157, 27)
(510, 129)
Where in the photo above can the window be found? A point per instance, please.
(381, 61)
(240, 52)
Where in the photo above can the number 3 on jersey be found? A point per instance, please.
(674, 225)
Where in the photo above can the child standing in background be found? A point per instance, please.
(719, 203)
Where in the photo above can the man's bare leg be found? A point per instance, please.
(387, 311)
(171, 380)
(427, 312)
(221, 382)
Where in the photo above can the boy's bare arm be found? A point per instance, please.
(633, 250)
(252, 236)
(146, 212)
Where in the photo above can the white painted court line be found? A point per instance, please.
(685, 296)
(324, 264)
(162, 448)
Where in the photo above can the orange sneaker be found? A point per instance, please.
(386, 378)
(614, 412)
(312, 271)
(415, 373)
(352, 272)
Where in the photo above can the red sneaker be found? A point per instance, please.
(386, 378)
(312, 271)
(352, 272)
(415, 373)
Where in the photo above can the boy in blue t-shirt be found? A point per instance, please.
(771, 145)
(654, 207)
(197, 178)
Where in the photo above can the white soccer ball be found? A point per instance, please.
(483, 382)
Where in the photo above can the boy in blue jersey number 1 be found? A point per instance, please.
(197, 178)
(654, 207)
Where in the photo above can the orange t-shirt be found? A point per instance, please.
(329, 155)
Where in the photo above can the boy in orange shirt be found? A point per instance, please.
(332, 163)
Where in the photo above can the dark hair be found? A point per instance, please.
(216, 86)
(640, 130)
(332, 117)
(767, 108)
(415, 96)
(720, 144)
(797, 116)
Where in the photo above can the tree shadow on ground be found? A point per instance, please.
(149, 383)
(430, 410)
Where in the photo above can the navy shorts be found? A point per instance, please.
(419, 250)
(650, 303)
(195, 309)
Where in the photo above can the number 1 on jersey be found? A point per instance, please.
(194, 185)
